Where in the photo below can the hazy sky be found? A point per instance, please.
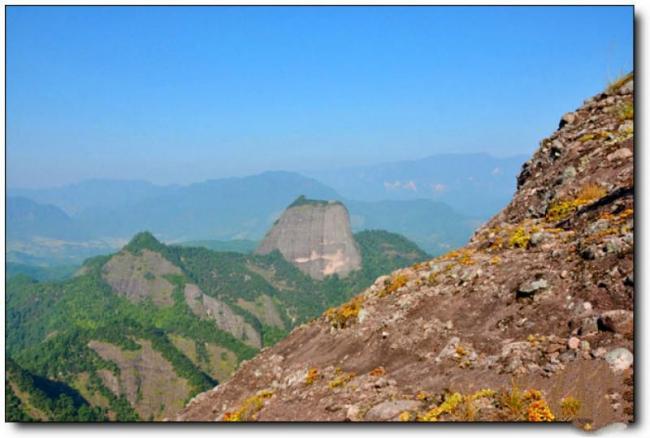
(185, 94)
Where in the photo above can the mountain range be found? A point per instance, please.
(64, 225)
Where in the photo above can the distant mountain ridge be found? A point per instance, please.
(227, 209)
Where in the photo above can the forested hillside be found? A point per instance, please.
(135, 335)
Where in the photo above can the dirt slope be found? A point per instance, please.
(536, 310)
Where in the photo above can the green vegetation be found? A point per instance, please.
(51, 324)
(54, 399)
(302, 200)
(41, 273)
(242, 246)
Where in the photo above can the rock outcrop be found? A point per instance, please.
(316, 237)
(531, 321)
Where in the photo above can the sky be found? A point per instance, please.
(185, 94)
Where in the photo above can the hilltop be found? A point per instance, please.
(532, 320)
(316, 237)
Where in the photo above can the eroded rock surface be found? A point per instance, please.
(140, 276)
(204, 306)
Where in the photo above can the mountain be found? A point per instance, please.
(316, 237)
(532, 320)
(27, 219)
(476, 185)
(134, 335)
(224, 209)
(92, 194)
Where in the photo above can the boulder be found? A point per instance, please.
(390, 410)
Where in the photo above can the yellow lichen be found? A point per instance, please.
(312, 376)
(405, 416)
(519, 238)
(495, 260)
(394, 284)
(341, 379)
(570, 407)
(538, 411)
(448, 406)
(249, 408)
(625, 110)
(561, 210)
(346, 314)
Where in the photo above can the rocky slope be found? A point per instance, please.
(531, 321)
(316, 237)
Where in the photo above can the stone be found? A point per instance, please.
(629, 280)
(567, 119)
(531, 287)
(537, 238)
(599, 352)
(614, 246)
(390, 410)
(353, 413)
(588, 253)
(574, 343)
(569, 172)
(599, 225)
(620, 359)
(618, 321)
(621, 154)
(589, 326)
(626, 127)
(568, 356)
(627, 88)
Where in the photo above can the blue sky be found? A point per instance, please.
(176, 95)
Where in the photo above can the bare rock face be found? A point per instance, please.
(140, 276)
(316, 237)
(204, 306)
(146, 379)
(531, 321)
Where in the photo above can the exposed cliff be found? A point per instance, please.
(316, 237)
(531, 321)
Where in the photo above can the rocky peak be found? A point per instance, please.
(531, 321)
(316, 237)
